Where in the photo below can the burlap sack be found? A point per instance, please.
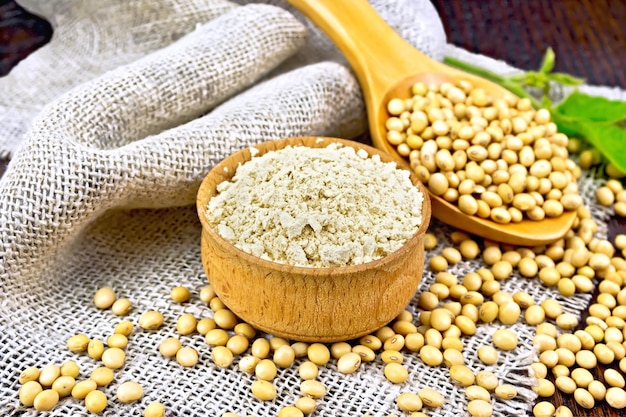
(101, 193)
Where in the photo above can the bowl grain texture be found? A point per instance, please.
(302, 303)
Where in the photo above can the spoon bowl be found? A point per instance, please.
(387, 66)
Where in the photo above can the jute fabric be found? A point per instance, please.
(105, 166)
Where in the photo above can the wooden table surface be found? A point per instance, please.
(587, 36)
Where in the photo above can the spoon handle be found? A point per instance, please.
(376, 53)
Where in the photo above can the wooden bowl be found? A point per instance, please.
(302, 303)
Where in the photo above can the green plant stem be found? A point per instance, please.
(510, 85)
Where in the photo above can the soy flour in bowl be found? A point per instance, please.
(317, 207)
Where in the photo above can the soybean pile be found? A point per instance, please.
(497, 159)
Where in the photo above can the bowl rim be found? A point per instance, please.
(245, 155)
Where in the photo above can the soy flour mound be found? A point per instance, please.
(317, 207)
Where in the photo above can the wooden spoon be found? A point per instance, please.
(387, 66)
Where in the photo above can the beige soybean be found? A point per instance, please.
(95, 349)
(187, 356)
(238, 344)
(154, 409)
(205, 325)
(614, 378)
(129, 391)
(586, 359)
(312, 388)
(290, 411)
(216, 304)
(441, 319)
(433, 337)
(222, 356)
(552, 308)
(102, 376)
(48, 374)
(186, 324)
(276, 342)
(169, 347)
(475, 392)
(549, 357)
(452, 343)
(408, 401)
(488, 311)
(207, 293)
(306, 405)
(319, 354)
(582, 377)
(104, 298)
(560, 370)
(431, 355)
(480, 408)
(121, 306)
(124, 327)
(565, 384)
(219, 337)
(368, 355)
(413, 342)
(544, 409)
(284, 356)
(544, 388)
(180, 294)
(113, 358)
(487, 380)
(28, 391)
(63, 385)
(506, 392)
(509, 313)
(462, 374)
(263, 390)
(431, 397)
(349, 363)
(46, 400)
(117, 340)
(337, 349)
(78, 343)
(151, 320)
(584, 398)
(534, 315)
(96, 401)
(29, 374)
(389, 356)
(244, 329)
(597, 390)
(504, 339)
(82, 388)
(396, 373)
(307, 370)
(539, 370)
(371, 341)
(453, 357)
(266, 370)
(616, 398)
(248, 364)
(225, 319)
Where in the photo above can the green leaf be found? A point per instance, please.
(609, 139)
(595, 109)
(548, 61)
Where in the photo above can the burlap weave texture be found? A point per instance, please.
(101, 194)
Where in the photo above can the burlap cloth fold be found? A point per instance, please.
(100, 192)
